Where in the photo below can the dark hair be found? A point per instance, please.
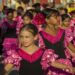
(5, 8)
(10, 10)
(65, 9)
(36, 5)
(48, 12)
(30, 15)
(31, 28)
(32, 11)
(72, 12)
(20, 10)
(25, 1)
(64, 16)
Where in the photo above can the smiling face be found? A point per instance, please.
(66, 22)
(26, 20)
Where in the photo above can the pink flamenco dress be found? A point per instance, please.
(39, 21)
(55, 51)
(19, 24)
(8, 33)
(48, 57)
(70, 38)
(13, 58)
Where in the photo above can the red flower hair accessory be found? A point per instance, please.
(39, 19)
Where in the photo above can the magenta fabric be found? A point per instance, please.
(39, 19)
(30, 57)
(19, 24)
(48, 57)
(10, 25)
(69, 36)
(10, 43)
(12, 58)
(53, 39)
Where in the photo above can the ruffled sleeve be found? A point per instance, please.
(48, 57)
(68, 35)
(12, 58)
(70, 56)
(19, 24)
(73, 61)
(41, 42)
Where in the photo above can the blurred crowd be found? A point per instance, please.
(56, 35)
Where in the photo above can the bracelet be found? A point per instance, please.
(67, 70)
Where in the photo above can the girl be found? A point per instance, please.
(66, 26)
(8, 27)
(27, 19)
(8, 30)
(54, 60)
(17, 17)
(72, 22)
(28, 55)
(72, 14)
(69, 40)
(65, 21)
(62, 10)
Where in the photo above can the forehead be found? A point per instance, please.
(10, 13)
(67, 19)
(15, 12)
(25, 32)
(54, 14)
(26, 17)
